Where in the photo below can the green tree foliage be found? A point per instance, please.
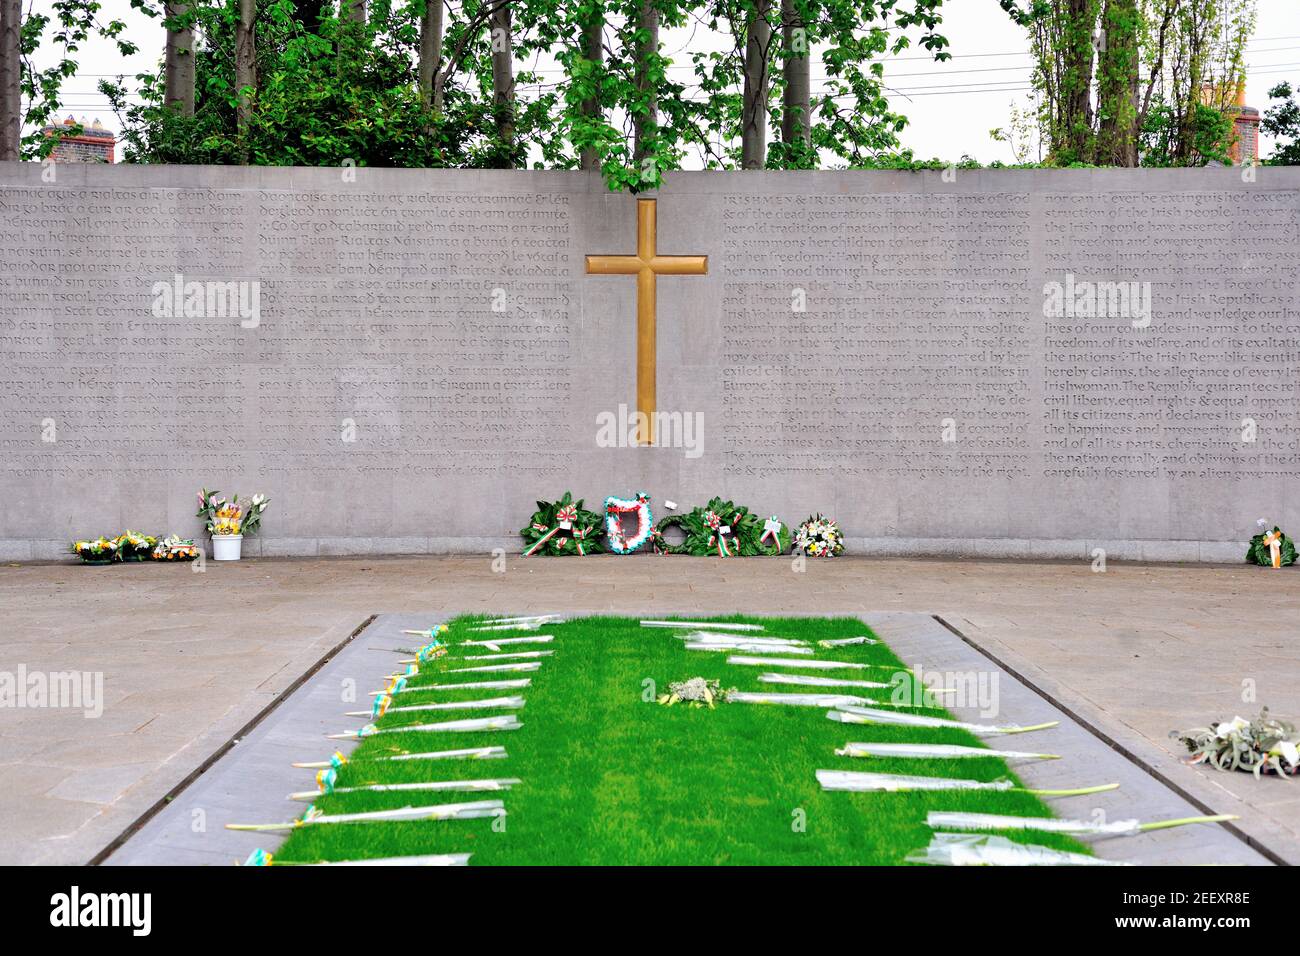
(1282, 120)
(1129, 82)
(331, 91)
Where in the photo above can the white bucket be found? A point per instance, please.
(226, 547)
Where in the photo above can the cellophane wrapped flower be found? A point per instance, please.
(1263, 745)
(819, 537)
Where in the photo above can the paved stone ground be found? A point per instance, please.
(189, 658)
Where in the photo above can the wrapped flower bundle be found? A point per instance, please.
(1263, 745)
(697, 692)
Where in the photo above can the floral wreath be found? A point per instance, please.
(660, 542)
(615, 508)
(775, 538)
(819, 537)
(722, 528)
(562, 527)
(1270, 548)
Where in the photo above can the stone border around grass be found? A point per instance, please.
(250, 782)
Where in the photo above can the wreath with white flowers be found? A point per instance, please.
(615, 508)
(819, 537)
(562, 527)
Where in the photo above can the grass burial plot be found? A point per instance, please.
(602, 774)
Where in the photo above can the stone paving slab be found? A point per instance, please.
(1085, 761)
(251, 783)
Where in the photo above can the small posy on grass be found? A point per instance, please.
(608, 777)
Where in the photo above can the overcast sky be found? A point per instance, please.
(951, 106)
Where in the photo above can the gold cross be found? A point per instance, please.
(646, 265)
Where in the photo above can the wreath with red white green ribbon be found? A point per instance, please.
(619, 541)
(562, 527)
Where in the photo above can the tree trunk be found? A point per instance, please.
(1117, 82)
(11, 104)
(178, 64)
(1074, 139)
(593, 50)
(430, 49)
(753, 121)
(503, 81)
(354, 11)
(646, 124)
(245, 61)
(796, 129)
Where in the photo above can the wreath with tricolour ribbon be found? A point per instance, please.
(562, 527)
(722, 529)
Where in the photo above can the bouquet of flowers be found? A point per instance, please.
(99, 551)
(1263, 745)
(697, 692)
(222, 517)
(563, 527)
(1270, 548)
(175, 548)
(820, 537)
(133, 546)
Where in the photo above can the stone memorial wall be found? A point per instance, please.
(1005, 363)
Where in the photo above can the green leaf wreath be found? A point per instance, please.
(660, 543)
(1260, 552)
(722, 528)
(774, 536)
(563, 527)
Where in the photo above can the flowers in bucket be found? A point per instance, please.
(100, 551)
(222, 517)
(819, 537)
(1270, 548)
(1263, 745)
